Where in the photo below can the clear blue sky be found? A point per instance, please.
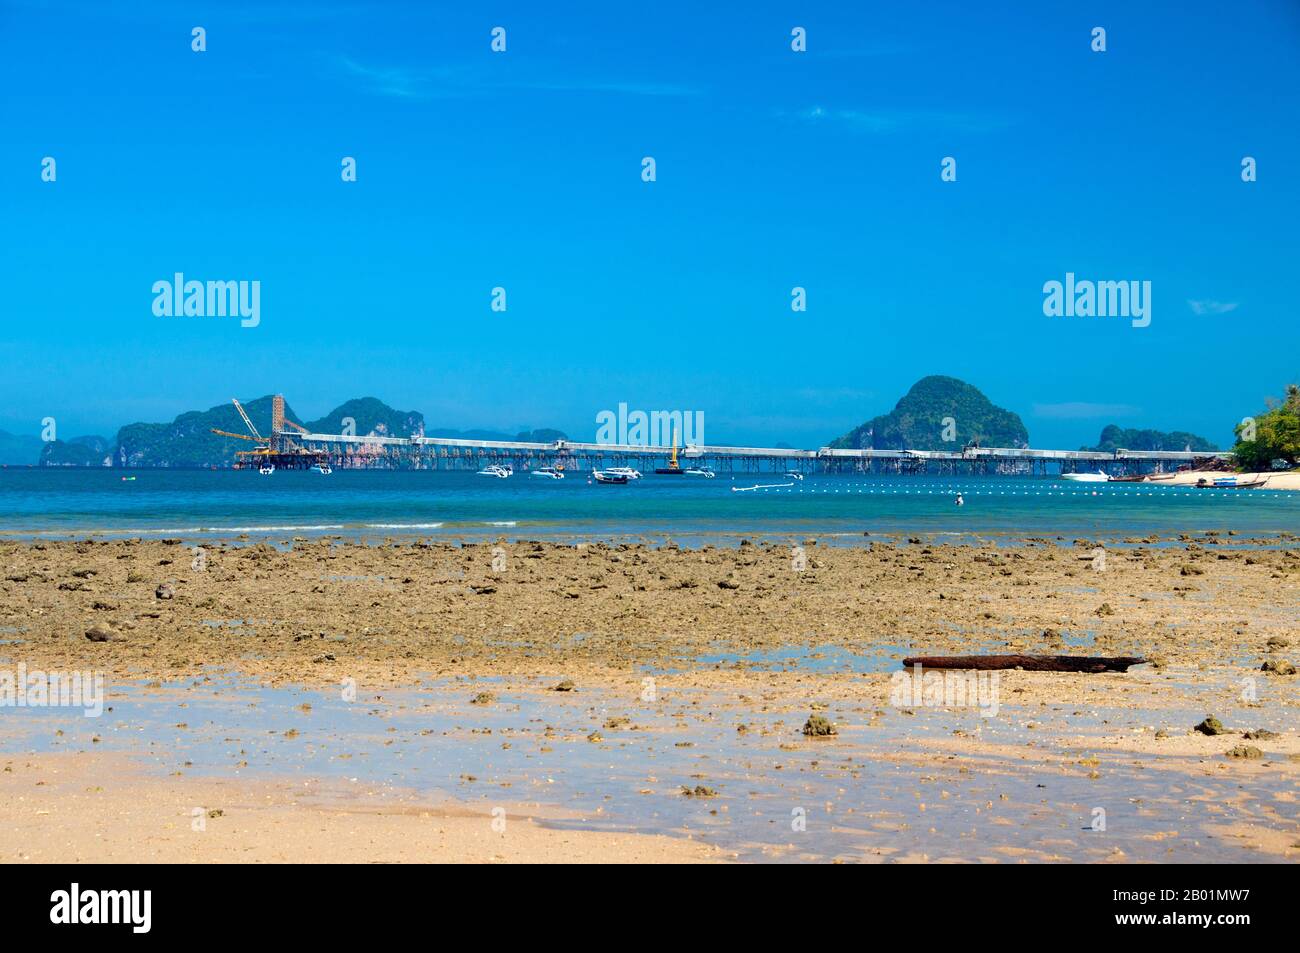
(775, 169)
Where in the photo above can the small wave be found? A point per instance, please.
(172, 530)
(503, 523)
(269, 529)
(402, 525)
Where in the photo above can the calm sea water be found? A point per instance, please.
(211, 504)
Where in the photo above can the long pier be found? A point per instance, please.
(293, 448)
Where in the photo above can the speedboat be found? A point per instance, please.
(794, 474)
(608, 477)
(266, 469)
(550, 473)
(700, 471)
(629, 472)
(1097, 477)
(496, 470)
(324, 469)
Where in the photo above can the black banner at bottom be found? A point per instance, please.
(350, 902)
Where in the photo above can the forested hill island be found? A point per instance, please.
(937, 413)
(188, 441)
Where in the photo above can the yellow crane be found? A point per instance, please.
(263, 444)
(277, 446)
(247, 423)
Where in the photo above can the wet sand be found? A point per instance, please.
(88, 808)
(698, 668)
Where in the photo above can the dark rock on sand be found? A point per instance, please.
(1211, 726)
(699, 791)
(100, 632)
(819, 726)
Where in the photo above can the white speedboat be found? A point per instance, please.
(550, 473)
(700, 471)
(794, 474)
(266, 469)
(629, 472)
(1097, 477)
(324, 469)
(496, 470)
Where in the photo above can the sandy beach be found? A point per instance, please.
(687, 677)
(1288, 480)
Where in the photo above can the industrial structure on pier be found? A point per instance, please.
(291, 446)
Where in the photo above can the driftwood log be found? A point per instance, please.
(1030, 663)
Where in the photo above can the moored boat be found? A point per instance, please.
(1228, 483)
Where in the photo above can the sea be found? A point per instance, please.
(242, 506)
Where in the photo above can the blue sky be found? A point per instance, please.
(775, 169)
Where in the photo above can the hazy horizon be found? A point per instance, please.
(587, 431)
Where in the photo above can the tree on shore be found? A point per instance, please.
(1273, 435)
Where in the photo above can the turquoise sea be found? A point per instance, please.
(196, 504)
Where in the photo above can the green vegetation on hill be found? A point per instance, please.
(370, 417)
(1271, 436)
(1114, 438)
(934, 409)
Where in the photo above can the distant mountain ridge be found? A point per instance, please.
(1113, 437)
(938, 413)
(188, 440)
(19, 449)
